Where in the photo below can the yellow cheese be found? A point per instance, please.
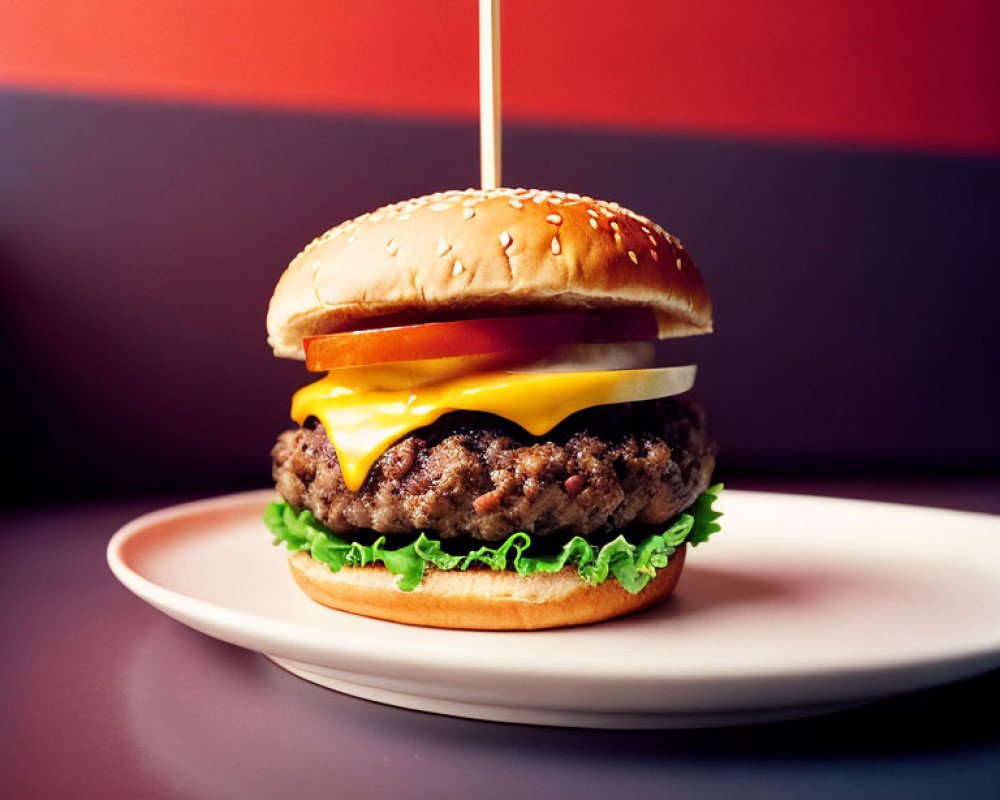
(365, 409)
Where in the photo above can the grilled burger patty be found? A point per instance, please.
(477, 475)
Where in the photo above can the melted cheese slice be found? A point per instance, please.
(365, 409)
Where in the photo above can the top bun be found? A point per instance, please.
(480, 250)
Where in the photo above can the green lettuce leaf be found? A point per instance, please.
(632, 565)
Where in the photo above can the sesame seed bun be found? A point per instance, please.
(478, 250)
(480, 599)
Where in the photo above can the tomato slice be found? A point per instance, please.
(479, 336)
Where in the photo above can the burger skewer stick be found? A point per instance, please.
(489, 93)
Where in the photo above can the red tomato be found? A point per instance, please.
(470, 337)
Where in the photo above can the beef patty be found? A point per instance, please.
(477, 475)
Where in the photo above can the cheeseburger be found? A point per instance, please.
(493, 445)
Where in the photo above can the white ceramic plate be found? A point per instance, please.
(799, 605)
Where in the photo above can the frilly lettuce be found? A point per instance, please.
(632, 565)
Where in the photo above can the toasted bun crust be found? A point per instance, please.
(479, 250)
(479, 599)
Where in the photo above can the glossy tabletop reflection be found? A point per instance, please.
(102, 696)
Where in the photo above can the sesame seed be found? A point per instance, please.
(403, 217)
(593, 223)
(556, 249)
(591, 212)
(555, 219)
(633, 257)
(646, 230)
(615, 226)
(573, 196)
(606, 213)
(457, 269)
(655, 255)
(505, 240)
(516, 203)
(468, 213)
(618, 239)
(352, 239)
(555, 200)
(392, 247)
(443, 247)
(315, 266)
(678, 265)
(439, 206)
(539, 198)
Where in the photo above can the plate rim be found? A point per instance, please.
(287, 637)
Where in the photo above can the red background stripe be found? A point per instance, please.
(876, 72)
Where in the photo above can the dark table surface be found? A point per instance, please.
(102, 696)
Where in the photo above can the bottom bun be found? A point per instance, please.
(479, 599)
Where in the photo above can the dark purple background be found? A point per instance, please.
(855, 291)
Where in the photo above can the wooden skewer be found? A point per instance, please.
(489, 93)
